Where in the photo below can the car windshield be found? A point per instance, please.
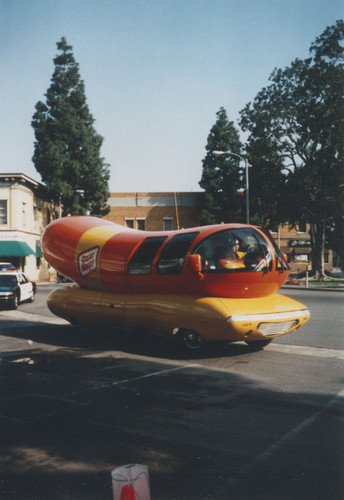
(6, 279)
(235, 250)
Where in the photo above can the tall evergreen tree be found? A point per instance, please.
(300, 117)
(67, 147)
(221, 175)
(267, 176)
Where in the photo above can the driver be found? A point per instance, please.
(230, 257)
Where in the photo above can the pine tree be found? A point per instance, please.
(221, 175)
(67, 147)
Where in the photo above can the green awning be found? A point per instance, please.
(38, 249)
(15, 249)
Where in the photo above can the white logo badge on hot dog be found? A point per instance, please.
(87, 261)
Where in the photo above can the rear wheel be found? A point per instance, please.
(85, 328)
(258, 344)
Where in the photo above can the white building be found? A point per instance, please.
(24, 213)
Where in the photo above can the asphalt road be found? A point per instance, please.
(230, 424)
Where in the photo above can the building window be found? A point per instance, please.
(302, 227)
(3, 211)
(141, 224)
(301, 259)
(168, 223)
(129, 223)
(24, 213)
(274, 228)
(36, 212)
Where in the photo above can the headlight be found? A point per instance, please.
(6, 294)
(270, 323)
(268, 316)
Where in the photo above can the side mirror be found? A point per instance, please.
(195, 261)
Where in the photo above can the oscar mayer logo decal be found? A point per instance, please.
(87, 261)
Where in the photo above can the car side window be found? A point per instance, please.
(172, 257)
(142, 260)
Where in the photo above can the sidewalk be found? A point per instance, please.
(325, 285)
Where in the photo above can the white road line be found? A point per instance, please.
(133, 379)
(154, 374)
(318, 352)
(291, 435)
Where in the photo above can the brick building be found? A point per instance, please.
(165, 211)
(295, 242)
(154, 211)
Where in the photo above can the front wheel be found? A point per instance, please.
(192, 340)
(15, 302)
(258, 344)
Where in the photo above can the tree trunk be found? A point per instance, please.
(317, 232)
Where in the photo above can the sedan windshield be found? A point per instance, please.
(235, 250)
(6, 279)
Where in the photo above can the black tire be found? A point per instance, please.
(191, 340)
(14, 302)
(85, 328)
(258, 344)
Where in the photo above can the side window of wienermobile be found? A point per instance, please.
(142, 260)
(173, 255)
(235, 250)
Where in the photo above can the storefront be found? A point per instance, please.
(25, 210)
(299, 253)
(15, 252)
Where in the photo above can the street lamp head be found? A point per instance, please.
(229, 153)
(218, 153)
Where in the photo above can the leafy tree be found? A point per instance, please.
(221, 175)
(67, 148)
(299, 117)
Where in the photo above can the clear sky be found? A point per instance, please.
(155, 72)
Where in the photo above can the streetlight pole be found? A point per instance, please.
(247, 190)
(79, 192)
(60, 206)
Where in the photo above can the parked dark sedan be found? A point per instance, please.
(15, 287)
(7, 266)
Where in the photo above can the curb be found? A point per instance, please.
(317, 288)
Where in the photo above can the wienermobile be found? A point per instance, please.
(209, 283)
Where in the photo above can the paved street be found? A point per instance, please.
(229, 424)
